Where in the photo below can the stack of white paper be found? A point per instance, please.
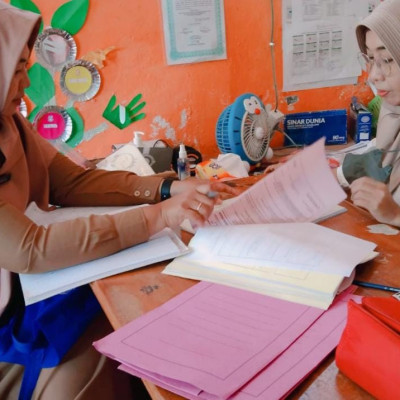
(264, 240)
(299, 262)
(35, 287)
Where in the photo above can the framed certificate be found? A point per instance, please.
(194, 31)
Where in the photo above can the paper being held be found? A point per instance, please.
(300, 191)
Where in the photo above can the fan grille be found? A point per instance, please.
(222, 126)
(254, 147)
(229, 132)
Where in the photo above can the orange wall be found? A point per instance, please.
(184, 101)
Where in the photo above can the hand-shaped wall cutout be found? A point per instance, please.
(123, 116)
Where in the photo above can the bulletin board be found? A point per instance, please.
(179, 103)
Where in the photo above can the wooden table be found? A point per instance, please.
(129, 295)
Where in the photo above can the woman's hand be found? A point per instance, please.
(178, 187)
(375, 197)
(193, 204)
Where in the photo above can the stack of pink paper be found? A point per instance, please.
(218, 342)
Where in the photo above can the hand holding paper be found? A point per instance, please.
(300, 191)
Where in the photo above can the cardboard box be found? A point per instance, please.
(308, 127)
(360, 125)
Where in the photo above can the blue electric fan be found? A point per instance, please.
(245, 128)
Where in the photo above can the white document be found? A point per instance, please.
(316, 289)
(35, 287)
(309, 288)
(319, 42)
(337, 210)
(294, 246)
(194, 30)
(301, 190)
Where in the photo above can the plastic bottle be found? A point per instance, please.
(182, 163)
(137, 140)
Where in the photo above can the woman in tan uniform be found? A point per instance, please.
(32, 170)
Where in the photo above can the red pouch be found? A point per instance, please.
(369, 349)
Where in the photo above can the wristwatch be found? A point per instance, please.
(165, 189)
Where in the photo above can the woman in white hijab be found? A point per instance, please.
(32, 170)
(377, 187)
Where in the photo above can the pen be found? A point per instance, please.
(376, 286)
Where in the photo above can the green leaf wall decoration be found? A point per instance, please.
(77, 127)
(33, 113)
(71, 16)
(28, 5)
(42, 87)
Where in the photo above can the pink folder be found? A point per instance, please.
(209, 341)
(288, 370)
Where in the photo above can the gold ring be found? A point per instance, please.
(199, 206)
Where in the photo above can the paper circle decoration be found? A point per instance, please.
(54, 48)
(53, 122)
(80, 80)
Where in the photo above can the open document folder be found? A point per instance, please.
(35, 287)
(264, 240)
(301, 190)
(216, 342)
(300, 262)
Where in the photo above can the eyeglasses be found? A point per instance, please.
(367, 62)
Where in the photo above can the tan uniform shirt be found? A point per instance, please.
(40, 174)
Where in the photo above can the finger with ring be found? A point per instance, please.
(199, 206)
